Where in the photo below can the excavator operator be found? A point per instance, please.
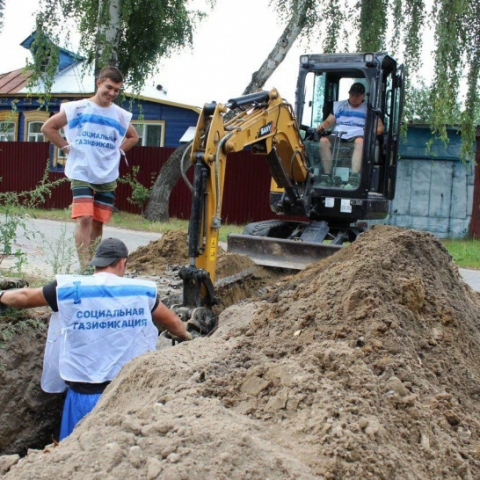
(349, 118)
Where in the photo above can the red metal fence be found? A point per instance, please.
(247, 181)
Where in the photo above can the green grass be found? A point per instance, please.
(131, 221)
(465, 253)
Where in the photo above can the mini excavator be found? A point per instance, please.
(329, 209)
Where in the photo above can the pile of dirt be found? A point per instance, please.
(363, 366)
(170, 249)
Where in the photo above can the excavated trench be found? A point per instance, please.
(365, 365)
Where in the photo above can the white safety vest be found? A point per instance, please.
(94, 134)
(349, 120)
(103, 321)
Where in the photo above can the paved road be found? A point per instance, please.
(54, 240)
(472, 277)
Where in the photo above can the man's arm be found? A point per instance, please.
(51, 129)
(168, 319)
(327, 123)
(130, 140)
(380, 127)
(24, 298)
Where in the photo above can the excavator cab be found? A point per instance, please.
(339, 170)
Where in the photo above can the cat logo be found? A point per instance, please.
(266, 129)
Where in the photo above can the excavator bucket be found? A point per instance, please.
(277, 252)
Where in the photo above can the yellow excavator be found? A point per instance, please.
(328, 206)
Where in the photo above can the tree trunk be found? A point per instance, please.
(158, 205)
(281, 48)
(108, 34)
(157, 208)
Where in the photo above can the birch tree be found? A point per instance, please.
(298, 21)
(132, 35)
(107, 42)
(157, 208)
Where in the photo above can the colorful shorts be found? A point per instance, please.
(89, 203)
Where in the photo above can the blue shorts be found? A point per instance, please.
(77, 405)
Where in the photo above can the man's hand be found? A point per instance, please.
(312, 134)
(170, 336)
(187, 338)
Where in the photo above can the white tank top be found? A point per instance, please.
(349, 119)
(94, 134)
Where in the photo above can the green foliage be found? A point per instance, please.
(60, 253)
(419, 106)
(372, 25)
(13, 221)
(140, 193)
(146, 31)
(2, 7)
(397, 26)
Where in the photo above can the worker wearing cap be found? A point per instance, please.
(349, 118)
(100, 322)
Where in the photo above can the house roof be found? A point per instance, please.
(14, 82)
(66, 57)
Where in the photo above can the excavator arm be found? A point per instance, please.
(267, 124)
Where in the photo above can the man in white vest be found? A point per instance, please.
(97, 133)
(100, 322)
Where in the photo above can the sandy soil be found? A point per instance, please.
(363, 366)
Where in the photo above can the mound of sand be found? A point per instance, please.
(363, 366)
(170, 249)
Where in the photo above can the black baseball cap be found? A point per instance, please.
(108, 251)
(358, 88)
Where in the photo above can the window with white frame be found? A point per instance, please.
(150, 134)
(33, 121)
(7, 131)
(34, 132)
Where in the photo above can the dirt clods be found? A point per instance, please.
(365, 365)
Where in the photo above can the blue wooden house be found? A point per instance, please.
(23, 109)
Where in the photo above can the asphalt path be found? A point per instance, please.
(49, 243)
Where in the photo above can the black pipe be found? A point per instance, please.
(257, 97)
(201, 173)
